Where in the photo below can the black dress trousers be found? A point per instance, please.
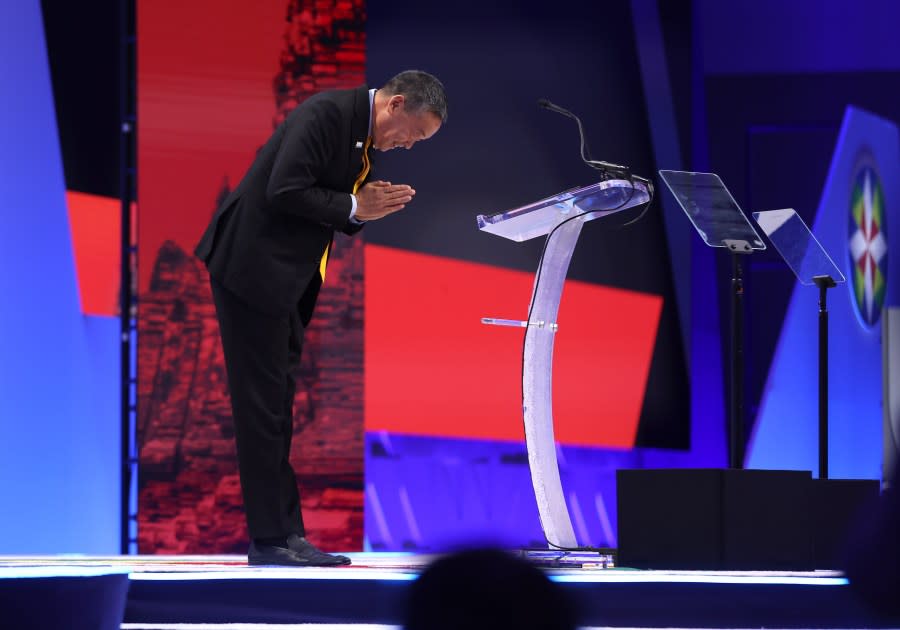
(260, 350)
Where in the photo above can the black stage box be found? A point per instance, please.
(715, 519)
(839, 506)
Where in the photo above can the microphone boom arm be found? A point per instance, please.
(607, 168)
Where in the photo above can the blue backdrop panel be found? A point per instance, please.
(58, 437)
(786, 430)
(426, 493)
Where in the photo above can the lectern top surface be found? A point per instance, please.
(539, 218)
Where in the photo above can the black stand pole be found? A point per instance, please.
(736, 417)
(824, 283)
(127, 270)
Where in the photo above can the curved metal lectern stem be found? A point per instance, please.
(523, 223)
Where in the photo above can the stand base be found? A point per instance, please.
(715, 519)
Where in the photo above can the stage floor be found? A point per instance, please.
(209, 591)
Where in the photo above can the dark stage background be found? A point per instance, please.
(499, 150)
(436, 378)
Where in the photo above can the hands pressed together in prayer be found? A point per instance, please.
(377, 199)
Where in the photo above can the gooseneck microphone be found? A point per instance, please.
(605, 167)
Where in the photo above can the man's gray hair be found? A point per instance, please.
(423, 92)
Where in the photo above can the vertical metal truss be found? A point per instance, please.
(128, 292)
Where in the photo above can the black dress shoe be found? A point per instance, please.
(270, 555)
(304, 548)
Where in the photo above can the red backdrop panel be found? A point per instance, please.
(432, 368)
(215, 77)
(94, 223)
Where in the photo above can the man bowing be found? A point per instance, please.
(266, 250)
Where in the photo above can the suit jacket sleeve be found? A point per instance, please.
(307, 148)
(353, 227)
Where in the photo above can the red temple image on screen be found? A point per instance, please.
(189, 491)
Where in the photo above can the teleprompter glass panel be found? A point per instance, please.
(797, 245)
(710, 207)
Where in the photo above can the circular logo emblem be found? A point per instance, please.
(868, 242)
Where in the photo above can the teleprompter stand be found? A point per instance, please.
(720, 223)
(716, 518)
(836, 502)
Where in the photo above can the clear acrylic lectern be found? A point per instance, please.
(572, 207)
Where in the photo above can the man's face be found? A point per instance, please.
(395, 127)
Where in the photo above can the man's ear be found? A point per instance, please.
(396, 103)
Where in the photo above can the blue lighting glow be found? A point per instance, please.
(59, 468)
(16, 573)
(786, 432)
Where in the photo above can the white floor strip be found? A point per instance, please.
(254, 626)
(47, 572)
(646, 577)
(337, 626)
(287, 573)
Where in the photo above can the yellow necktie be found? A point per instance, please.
(366, 167)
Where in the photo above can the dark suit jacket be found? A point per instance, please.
(265, 241)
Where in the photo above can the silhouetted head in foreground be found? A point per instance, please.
(486, 590)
